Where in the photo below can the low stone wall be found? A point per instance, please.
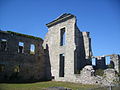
(87, 76)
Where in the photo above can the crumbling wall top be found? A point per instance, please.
(86, 33)
(19, 34)
(61, 18)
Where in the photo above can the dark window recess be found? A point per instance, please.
(62, 36)
(21, 47)
(3, 45)
(61, 65)
(53, 77)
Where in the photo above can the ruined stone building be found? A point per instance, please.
(21, 57)
(70, 54)
(64, 55)
(69, 48)
(114, 62)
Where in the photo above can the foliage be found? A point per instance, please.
(99, 72)
(110, 66)
(118, 74)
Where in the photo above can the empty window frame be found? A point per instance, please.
(61, 65)
(62, 37)
(2, 68)
(21, 47)
(32, 49)
(3, 45)
(107, 60)
(93, 61)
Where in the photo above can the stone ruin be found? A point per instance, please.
(64, 55)
(71, 55)
(22, 58)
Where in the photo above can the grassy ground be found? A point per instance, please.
(41, 85)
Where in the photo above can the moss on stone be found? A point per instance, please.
(24, 35)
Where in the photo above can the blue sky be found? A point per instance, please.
(99, 17)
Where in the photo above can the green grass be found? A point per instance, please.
(41, 85)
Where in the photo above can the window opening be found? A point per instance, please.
(93, 61)
(32, 49)
(3, 44)
(21, 47)
(61, 65)
(107, 60)
(62, 37)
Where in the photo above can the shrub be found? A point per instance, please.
(110, 66)
(99, 72)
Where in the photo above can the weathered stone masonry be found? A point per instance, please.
(69, 58)
(70, 54)
(21, 57)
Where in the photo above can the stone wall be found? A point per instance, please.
(101, 62)
(87, 45)
(110, 77)
(52, 39)
(75, 49)
(88, 76)
(23, 65)
(115, 60)
(68, 60)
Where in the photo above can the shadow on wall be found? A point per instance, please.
(47, 63)
(16, 78)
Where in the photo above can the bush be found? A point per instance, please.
(99, 72)
(110, 66)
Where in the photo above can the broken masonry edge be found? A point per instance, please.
(20, 34)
